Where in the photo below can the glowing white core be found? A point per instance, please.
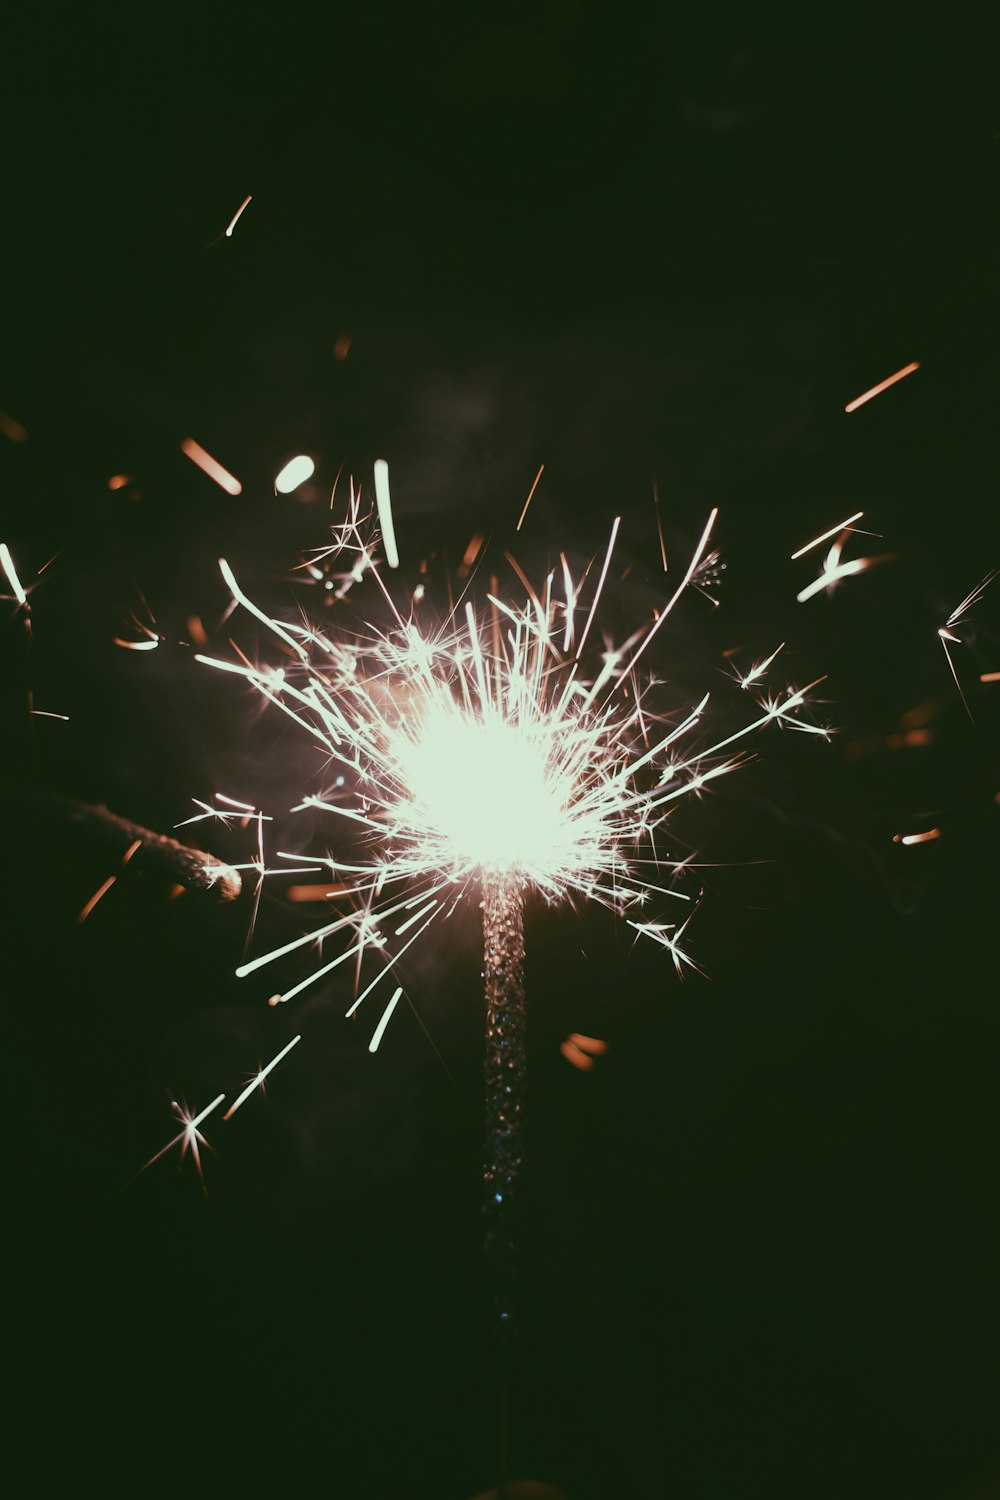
(479, 791)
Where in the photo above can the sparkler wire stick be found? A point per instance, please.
(192, 868)
(504, 1076)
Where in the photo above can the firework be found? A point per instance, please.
(500, 752)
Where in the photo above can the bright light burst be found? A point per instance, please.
(490, 747)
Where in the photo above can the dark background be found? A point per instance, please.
(763, 1242)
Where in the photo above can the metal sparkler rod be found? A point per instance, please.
(503, 981)
(192, 868)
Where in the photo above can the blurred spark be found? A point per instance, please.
(989, 677)
(581, 1050)
(211, 466)
(470, 554)
(883, 385)
(917, 838)
(12, 429)
(295, 472)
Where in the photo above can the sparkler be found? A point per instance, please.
(490, 753)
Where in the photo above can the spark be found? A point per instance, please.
(102, 890)
(118, 481)
(373, 1045)
(295, 472)
(43, 713)
(211, 466)
(257, 1082)
(531, 493)
(486, 746)
(834, 570)
(190, 1137)
(883, 385)
(7, 563)
(470, 554)
(384, 502)
(759, 668)
(917, 838)
(149, 645)
(826, 535)
(236, 216)
(959, 616)
(989, 677)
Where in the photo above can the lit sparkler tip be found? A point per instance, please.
(383, 502)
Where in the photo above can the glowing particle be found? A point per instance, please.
(296, 472)
(117, 481)
(342, 347)
(12, 429)
(883, 385)
(989, 677)
(211, 466)
(384, 504)
(917, 838)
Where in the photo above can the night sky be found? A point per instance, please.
(762, 1247)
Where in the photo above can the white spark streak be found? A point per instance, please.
(7, 563)
(211, 466)
(386, 1016)
(257, 1082)
(383, 501)
(826, 535)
